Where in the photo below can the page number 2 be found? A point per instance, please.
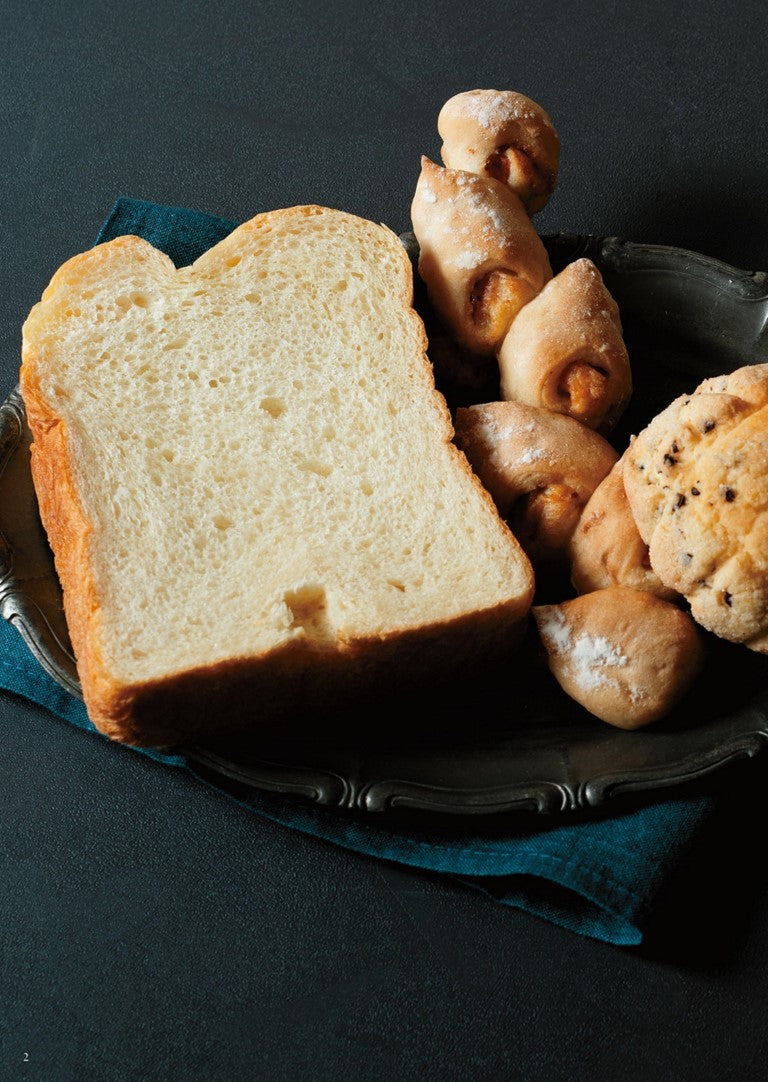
(25, 1058)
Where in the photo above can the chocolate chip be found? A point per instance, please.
(670, 460)
(675, 449)
(730, 495)
(695, 491)
(708, 426)
(680, 501)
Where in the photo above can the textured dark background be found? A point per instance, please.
(150, 929)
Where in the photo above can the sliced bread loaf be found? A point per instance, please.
(248, 481)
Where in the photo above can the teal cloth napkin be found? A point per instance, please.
(600, 878)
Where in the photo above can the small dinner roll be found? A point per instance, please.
(623, 654)
(697, 482)
(539, 467)
(480, 257)
(565, 350)
(606, 547)
(504, 135)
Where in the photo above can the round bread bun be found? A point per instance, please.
(697, 483)
(504, 135)
(626, 656)
(539, 467)
(606, 547)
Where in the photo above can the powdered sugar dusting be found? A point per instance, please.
(553, 628)
(591, 657)
(467, 258)
(532, 455)
(492, 108)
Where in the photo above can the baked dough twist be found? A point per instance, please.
(623, 654)
(480, 257)
(565, 350)
(606, 547)
(697, 482)
(539, 467)
(504, 135)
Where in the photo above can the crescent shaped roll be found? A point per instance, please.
(480, 257)
(539, 467)
(606, 547)
(565, 350)
(504, 135)
(624, 655)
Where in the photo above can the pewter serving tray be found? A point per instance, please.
(516, 742)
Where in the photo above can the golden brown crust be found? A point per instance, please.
(503, 135)
(626, 656)
(565, 350)
(66, 525)
(307, 688)
(539, 467)
(480, 257)
(606, 548)
(697, 482)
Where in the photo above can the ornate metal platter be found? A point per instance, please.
(517, 742)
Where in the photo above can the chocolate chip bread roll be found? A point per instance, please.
(697, 482)
(565, 350)
(504, 135)
(539, 467)
(480, 257)
(606, 548)
(623, 654)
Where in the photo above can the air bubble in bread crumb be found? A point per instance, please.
(274, 406)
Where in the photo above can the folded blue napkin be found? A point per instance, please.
(599, 878)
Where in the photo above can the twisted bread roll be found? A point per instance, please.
(606, 547)
(539, 467)
(624, 655)
(480, 257)
(697, 482)
(504, 135)
(565, 350)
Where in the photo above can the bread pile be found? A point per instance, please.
(254, 496)
(249, 484)
(671, 535)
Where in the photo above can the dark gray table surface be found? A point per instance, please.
(150, 929)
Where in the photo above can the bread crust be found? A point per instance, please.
(606, 548)
(479, 255)
(626, 656)
(697, 482)
(504, 135)
(565, 350)
(301, 677)
(539, 467)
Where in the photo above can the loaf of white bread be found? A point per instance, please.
(248, 482)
